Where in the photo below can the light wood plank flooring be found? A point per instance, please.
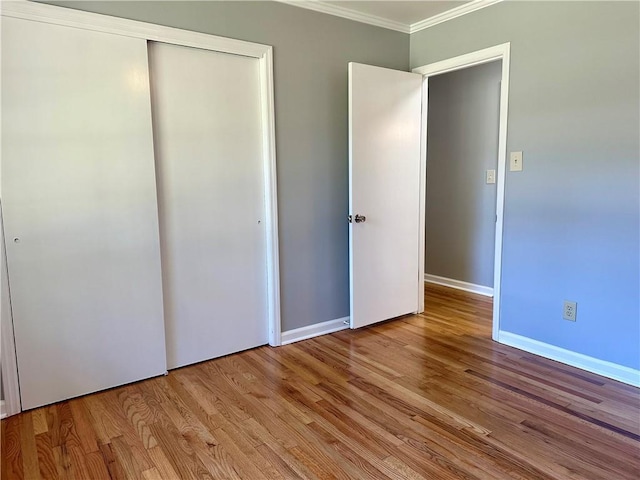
(424, 396)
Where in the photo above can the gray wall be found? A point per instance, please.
(462, 143)
(572, 217)
(311, 52)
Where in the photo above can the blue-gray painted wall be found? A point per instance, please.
(572, 217)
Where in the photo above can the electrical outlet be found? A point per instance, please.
(570, 311)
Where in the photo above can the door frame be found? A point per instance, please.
(151, 32)
(498, 52)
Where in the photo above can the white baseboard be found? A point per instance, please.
(2, 412)
(600, 367)
(460, 285)
(316, 330)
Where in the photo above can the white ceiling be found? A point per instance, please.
(408, 16)
(407, 12)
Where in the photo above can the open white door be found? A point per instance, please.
(384, 192)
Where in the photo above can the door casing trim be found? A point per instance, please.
(472, 59)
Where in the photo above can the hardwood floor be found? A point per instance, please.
(424, 396)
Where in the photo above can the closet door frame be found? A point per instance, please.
(150, 32)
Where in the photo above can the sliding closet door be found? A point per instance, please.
(80, 210)
(208, 137)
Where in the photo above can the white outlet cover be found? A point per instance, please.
(491, 176)
(515, 161)
(570, 310)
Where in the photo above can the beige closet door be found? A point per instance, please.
(209, 155)
(80, 210)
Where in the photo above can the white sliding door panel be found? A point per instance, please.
(208, 137)
(384, 186)
(80, 210)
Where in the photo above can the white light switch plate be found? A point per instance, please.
(491, 176)
(515, 162)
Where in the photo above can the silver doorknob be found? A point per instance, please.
(360, 219)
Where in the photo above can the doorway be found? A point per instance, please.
(489, 55)
(462, 159)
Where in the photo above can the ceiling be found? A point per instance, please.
(400, 10)
(401, 15)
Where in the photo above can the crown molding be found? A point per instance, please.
(451, 14)
(331, 9)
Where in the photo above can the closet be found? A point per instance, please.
(135, 204)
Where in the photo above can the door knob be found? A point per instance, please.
(357, 218)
